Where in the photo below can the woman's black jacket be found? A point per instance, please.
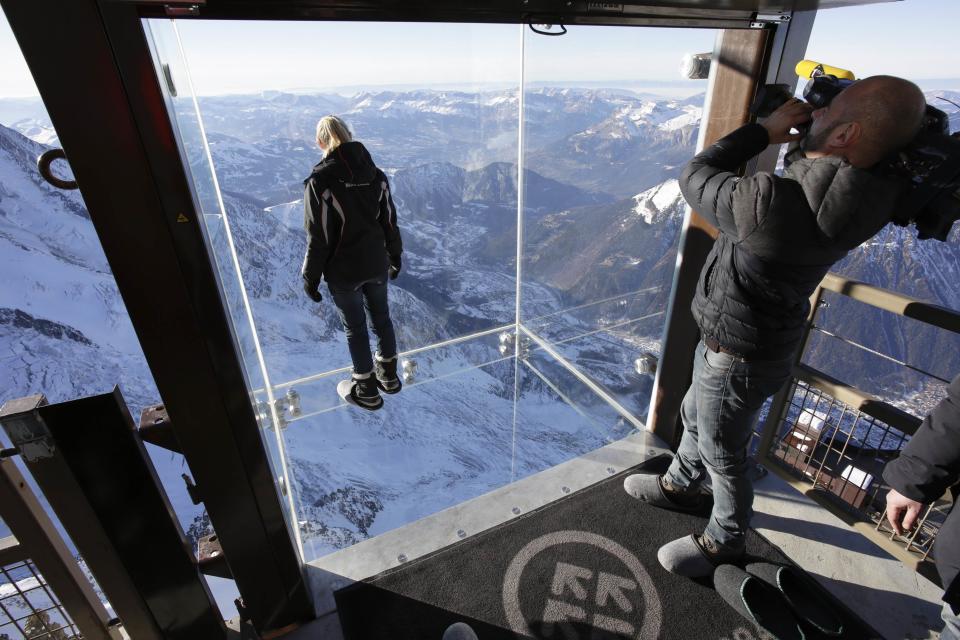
(350, 219)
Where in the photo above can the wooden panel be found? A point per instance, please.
(740, 59)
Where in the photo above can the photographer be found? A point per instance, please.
(778, 237)
(927, 467)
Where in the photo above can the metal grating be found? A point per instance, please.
(842, 452)
(28, 607)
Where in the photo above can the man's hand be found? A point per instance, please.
(902, 512)
(395, 266)
(788, 116)
(312, 287)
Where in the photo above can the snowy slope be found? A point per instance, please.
(597, 272)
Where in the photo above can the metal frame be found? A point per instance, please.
(135, 188)
(87, 459)
(941, 317)
(36, 538)
(719, 13)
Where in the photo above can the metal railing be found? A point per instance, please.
(43, 592)
(832, 441)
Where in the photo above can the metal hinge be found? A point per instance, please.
(761, 20)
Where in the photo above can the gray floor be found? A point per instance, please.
(892, 598)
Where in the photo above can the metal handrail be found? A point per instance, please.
(38, 540)
(893, 302)
(857, 399)
(898, 303)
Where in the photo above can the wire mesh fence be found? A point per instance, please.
(28, 607)
(841, 452)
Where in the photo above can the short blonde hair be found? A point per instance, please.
(332, 132)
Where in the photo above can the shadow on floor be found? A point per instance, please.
(840, 537)
(924, 616)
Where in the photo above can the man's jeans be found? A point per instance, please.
(718, 414)
(351, 303)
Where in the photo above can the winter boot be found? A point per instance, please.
(386, 372)
(361, 390)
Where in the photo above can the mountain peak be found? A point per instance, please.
(658, 203)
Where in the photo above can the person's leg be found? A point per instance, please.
(375, 300)
(731, 395)
(679, 487)
(947, 556)
(951, 623)
(687, 468)
(350, 308)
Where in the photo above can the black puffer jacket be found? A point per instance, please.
(350, 218)
(929, 465)
(778, 237)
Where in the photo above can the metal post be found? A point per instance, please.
(37, 539)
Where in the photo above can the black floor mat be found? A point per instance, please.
(584, 567)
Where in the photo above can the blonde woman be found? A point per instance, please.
(353, 242)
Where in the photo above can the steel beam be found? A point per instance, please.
(93, 70)
(38, 539)
(97, 477)
(688, 13)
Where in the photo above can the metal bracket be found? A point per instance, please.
(155, 427)
(182, 11)
(761, 20)
(192, 489)
(27, 431)
(210, 558)
(287, 407)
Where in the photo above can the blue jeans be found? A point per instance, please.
(718, 414)
(353, 305)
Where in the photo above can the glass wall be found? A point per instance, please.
(602, 209)
(500, 381)
(449, 150)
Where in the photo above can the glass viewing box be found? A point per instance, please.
(540, 221)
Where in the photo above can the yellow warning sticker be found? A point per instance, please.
(182, 218)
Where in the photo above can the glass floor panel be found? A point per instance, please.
(453, 433)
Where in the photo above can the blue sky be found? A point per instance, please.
(913, 38)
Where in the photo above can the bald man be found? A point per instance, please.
(778, 237)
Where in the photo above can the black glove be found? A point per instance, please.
(312, 287)
(395, 266)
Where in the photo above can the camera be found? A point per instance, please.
(930, 163)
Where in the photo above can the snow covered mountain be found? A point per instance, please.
(601, 222)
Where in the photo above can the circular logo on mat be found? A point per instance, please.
(564, 599)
